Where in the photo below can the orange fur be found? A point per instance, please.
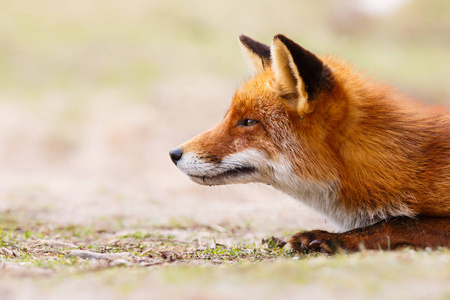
(358, 150)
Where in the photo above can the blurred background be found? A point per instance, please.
(93, 94)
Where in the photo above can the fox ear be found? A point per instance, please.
(298, 72)
(257, 54)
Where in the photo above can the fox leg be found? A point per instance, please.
(419, 232)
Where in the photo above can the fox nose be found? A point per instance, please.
(176, 154)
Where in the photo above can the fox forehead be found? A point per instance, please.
(258, 97)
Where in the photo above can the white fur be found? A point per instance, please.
(192, 165)
(204, 172)
(280, 174)
(321, 196)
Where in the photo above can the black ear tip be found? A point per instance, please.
(281, 37)
(243, 38)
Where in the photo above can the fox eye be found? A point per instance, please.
(248, 122)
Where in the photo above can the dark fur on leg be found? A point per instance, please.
(420, 232)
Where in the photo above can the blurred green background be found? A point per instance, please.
(79, 47)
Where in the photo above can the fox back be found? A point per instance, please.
(355, 150)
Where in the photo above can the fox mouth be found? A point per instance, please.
(224, 177)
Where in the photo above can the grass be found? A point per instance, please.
(40, 246)
(200, 261)
(160, 264)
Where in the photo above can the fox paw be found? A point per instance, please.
(316, 241)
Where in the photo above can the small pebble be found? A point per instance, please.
(7, 252)
(119, 262)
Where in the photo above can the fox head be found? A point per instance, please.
(278, 126)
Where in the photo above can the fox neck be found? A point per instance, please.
(322, 196)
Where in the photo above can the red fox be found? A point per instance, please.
(374, 162)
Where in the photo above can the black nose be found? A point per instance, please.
(176, 154)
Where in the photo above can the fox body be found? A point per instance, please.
(374, 162)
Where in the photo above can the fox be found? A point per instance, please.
(370, 159)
